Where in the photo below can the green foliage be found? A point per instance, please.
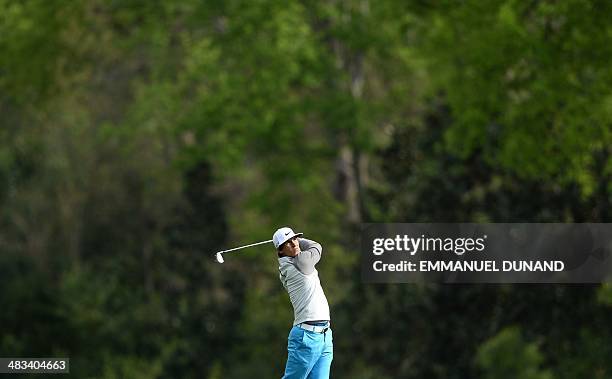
(32, 48)
(525, 84)
(137, 138)
(507, 355)
(605, 294)
(114, 324)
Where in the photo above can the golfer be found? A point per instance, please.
(310, 347)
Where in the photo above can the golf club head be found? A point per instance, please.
(220, 257)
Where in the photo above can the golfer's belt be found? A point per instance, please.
(313, 328)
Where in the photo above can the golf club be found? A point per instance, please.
(219, 255)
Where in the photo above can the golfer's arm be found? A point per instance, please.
(309, 256)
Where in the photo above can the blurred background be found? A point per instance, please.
(139, 137)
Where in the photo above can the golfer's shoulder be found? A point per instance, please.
(284, 260)
(306, 244)
(286, 263)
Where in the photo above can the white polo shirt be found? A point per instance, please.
(301, 280)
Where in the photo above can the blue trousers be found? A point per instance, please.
(309, 354)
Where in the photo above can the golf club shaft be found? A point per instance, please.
(245, 246)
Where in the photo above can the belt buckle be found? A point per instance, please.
(314, 328)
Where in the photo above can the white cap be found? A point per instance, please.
(282, 235)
